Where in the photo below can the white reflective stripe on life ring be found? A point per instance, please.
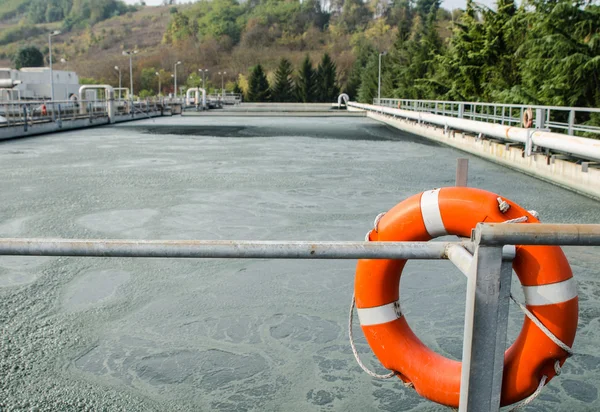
(379, 314)
(432, 217)
(550, 294)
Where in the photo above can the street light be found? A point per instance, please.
(130, 53)
(175, 71)
(379, 81)
(158, 74)
(50, 35)
(222, 88)
(203, 73)
(117, 68)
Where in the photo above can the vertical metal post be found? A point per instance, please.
(131, 76)
(51, 74)
(461, 110)
(462, 172)
(486, 321)
(539, 118)
(24, 118)
(571, 121)
(529, 143)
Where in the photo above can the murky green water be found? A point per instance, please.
(236, 335)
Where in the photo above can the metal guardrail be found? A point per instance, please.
(30, 112)
(533, 140)
(486, 314)
(569, 120)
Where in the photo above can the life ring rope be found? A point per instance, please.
(536, 295)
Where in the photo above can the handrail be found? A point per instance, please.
(561, 119)
(581, 147)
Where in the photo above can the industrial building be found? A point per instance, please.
(33, 83)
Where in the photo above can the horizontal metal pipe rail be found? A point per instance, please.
(577, 146)
(486, 307)
(224, 249)
(494, 234)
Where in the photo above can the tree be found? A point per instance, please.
(355, 15)
(369, 80)
(29, 56)
(283, 89)
(237, 89)
(306, 82)
(149, 80)
(561, 55)
(258, 85)
(327, 89)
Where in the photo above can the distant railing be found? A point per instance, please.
(30, 112)
(576, 121)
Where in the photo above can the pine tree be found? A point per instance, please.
(237, 89)
(327, 89)
(363, 50)
(283, 90)
(369, 80)
(305, 82)
(561, 55)
(258, 85)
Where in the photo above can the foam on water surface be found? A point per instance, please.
(237, 335)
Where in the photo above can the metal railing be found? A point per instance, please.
(484, 258)
(576, 121)
(31, 112)
(583, 149)
(28, 112)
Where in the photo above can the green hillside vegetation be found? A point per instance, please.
(533, 52)
(12, 8)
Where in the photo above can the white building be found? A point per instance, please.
(33, 83)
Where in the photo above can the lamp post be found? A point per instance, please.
(175, 71)
(130, 53)
(158, 74)
(117, 68)
(222, 88)
(203, 73)
(50, 35)
(379, 80)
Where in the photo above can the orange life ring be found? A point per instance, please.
(528, 118)
(544, 272)
(44, 110)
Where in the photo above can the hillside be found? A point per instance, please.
(515, 52)
(220, 36)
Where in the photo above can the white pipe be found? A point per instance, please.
(120, 89)
(9, 83)
(110, 97)
(197, 91)
(343, 97)
(577, 146)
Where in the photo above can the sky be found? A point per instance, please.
(447, 4)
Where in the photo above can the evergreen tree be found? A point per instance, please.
(369, 80)
(258, 85)
(283, 90)
(414, 58)
(237, 89)
(561, 55)
(306, 82)
(327, 89)
(461, 69)
(29, 56)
